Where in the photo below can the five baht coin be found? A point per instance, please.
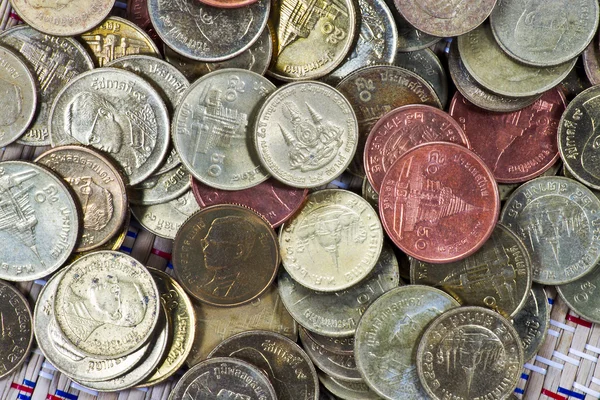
(17, 328)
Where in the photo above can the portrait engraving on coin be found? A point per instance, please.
(541, 25)
(11, 102)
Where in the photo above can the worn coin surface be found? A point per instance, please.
(387, 337)
(544, 33)
(306, 134)
(225, 255)
(339, 345)
(39, 221)
(107, 304)
(556, 218)
(333, 242)
(17, 328)
(63, 17)
(428, 66)
(336, 314)
(347, 390)
(497, 276)
(409, 37)
(470, 352)
(439, 202)
(55, 61)
(115, 111)
(532, 321)
(206, 33)
(161, 188)
(213, 128)
(582, 295)
(99, 188)
(287, 366)
(591, 61)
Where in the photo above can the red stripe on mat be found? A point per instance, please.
(53, 397)
(579, 321)
(21, 388)
(14, 15)
(163, 254)
(553, 395)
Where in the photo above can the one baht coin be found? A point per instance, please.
(439, 202)
(39, 221)
(533, 320)
(306, 134)
(557, 219)
(333, 242)
(17, 329)
(469, 353)
(107, 304)
(117, 112)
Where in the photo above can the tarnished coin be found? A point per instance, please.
(287, 366)
(439, 202)
(445, 18)
(225, 255)
(497, 276)
(369, 194)
(544, 33)
(470, 352)
(39, 222)
(99, 188)
(376, 90)
(213, 128)
(55, 61)
(347, 390)
(115, 111)
(106, 304)
(400, 130)
(62, 17)
(409, 37)
(556, 218)
(165, 219)
(17, 329)
(19, 96)
(161, 188)
(339, 345)
(532, 321)
(489, 65)
(591, 61)
(387, 337)
(306, 134)
(582, 295)
(516, 146)
(429, 67)
(341, 230)
(206, 33)
(337, 314)
(223, 378)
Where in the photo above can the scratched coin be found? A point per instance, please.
(17, 329)
(533, 321)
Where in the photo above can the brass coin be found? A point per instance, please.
(225, 255)
(17, 329)
(161, 188)
(387, 337)
(469, 353)
(582, 295)
(99, 188)
(532, 321)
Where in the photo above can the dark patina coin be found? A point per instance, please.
(533, 320)
(17, 329)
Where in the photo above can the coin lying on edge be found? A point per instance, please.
(17, 329)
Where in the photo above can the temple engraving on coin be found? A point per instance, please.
(111, 46)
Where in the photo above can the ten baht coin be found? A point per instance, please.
(17, 329)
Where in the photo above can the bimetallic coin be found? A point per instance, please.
(99, 188)
(213, 128)
(206, 33)
(161, 188)
(347, 390)
(337, 314)
(532, 321)
(341, 230)
(546, 33)
(556, 218)
(582, 295)
(61, 61)
(387, 337)
(429, 67)
(115, 111)
(107, 304)
(497, 276)
(287, 366)
(17, 329)
(39, 225)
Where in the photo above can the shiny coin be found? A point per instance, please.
(556, 218)
(582, 295)
(429, 67)
(161, 188)
(17, 329)
(338, 228)
(470, 352)
(532, 321)
(99, 188)
(117, 112)
(347, 390)
(341, 345)
(225, 255)
(388, 335)
(38, 221)
(287, 366)
(107, 304)
(306, 134)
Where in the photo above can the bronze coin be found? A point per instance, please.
(275, 201)
(439, 202)
(225, 255)
(402, 129)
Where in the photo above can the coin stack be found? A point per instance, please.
(296, 201)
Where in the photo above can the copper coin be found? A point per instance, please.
(275, 201)
(402, 129)
(228, 3)
(516, 146)
(225, 255)
(439, 202)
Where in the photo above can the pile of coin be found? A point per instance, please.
(286, 286)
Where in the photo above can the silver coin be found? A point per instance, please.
(115, 111)
(158, 189)
(347, 390)
(428, 66)
(170, 162)
(409, 37)
(533, 321)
